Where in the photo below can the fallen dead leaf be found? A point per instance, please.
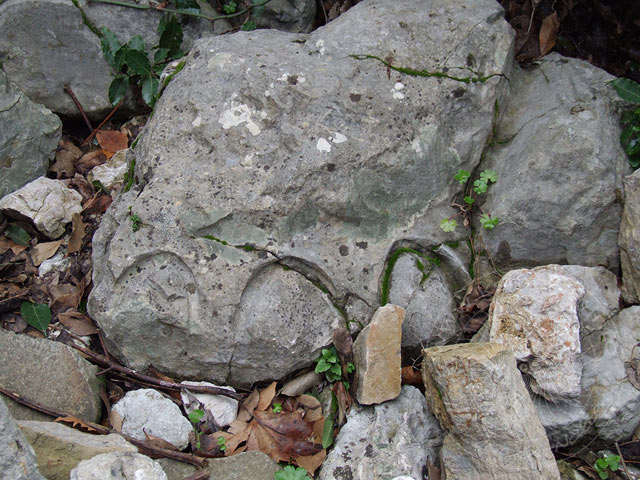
(77, 234)
(75, 423)
(66, 296)
(78, 323)
(64, 166)
(266, 396)
(411, 376)
(112, 141)
(548, 32)
(312, 462)
(90, 160)
(157, 442)
(44, 251)
(66, 144)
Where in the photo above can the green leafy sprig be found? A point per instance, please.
(630, 137)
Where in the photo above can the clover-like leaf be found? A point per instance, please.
(488, 222)
(322, 366)
(291, 473)
(488, 176)
(196, 415)
(448, 225)
(469, 200)
(462, 176)
(480, 186)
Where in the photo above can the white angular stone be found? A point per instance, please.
(223, 409)
(112, 172)
(118, 466)
(535, 313)
(46, 202)
(147, 409)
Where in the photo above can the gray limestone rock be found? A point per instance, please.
(477, 393)
(629, 238)
(50, 373)
(288, 15)
(271, 147)
(390, 439)
(147, 411)
(29, 135)
(558, 194)
(59, 448)
(243, 466)
(17, 459)
(118, 466)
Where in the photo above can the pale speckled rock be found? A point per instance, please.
(29, 135)
(243, 466)
(377, 356)
(629, 239)
(223, 409)
(67, 384)
(396, 437)
(118, 466)
(17, 458)
(535, 313)
(561, 113)
(46, 202)
(341, 165)
(59, 448)
(147, 409)
(112, 172)
(477, 393)
(421, 289)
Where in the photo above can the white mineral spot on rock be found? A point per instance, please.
(284, 77)
(238, 115)
(301, 79)
(415, 144)
(267, 93)
(271, 85)
(398, 95)
(338, 138)
(219, 60)
(398, 86)
(197, 121)
(253, 128)
(320, 46)
(323, 145)
(263, 114)
(248, 160)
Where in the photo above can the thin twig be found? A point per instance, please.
(93, 132)
(624, 465)
(67, 89)
(182, 12)
(142, 447)
(133, 375)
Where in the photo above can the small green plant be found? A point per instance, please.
(230, 7)
(351, 367)
(277, 407)
(222, 443)
(630, 137)
(607, 464)
(329, 364)
(291, 473)
(195, 417)
(136, 222)
(38, 315)
(480, 186)
(18, 235)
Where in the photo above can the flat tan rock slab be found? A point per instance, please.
(477, 393)
(377, 356)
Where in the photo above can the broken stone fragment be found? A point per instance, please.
(48, 203)
(223, 409)
(112, 172)
(118, 466)
(478, 395)
(377, 356)
(535, 313)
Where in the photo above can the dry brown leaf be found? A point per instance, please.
(78, 323)
(44, 251)
(77, 234)
(344, 401)
(65, 164)
(239, 437)
(344, 344)
(312, 462)
(266, 396)
(7, 244)
(66, 144)
(98, 204)
(249, 405)
(157, 442)
(75, 423)
(115, 419)
(411, 376)
(90, 160)
(548, 33)
(112, 141)
(313, 414)
(65, 297)
(82, 185)
(308, 401)
(290, 424)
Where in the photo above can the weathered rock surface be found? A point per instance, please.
(288, 15)
(146, 410)
(59, 448)
(561, 113)
(394, 438)
(45, 45)
(29, 135)
(421, 289)
(112, 172)
(535, 313)
(48, 203)
(51, 374)
(377, 356)
(244, 466)
(477, 393)
(629, 238)
(118, 466)
(223, 409)
(17, 459)
(336, 156)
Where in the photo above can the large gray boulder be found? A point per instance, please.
(29, 135)
(45, 45)
(17, 459)
(560, 172)
(275, 148)
(629, 238)
(394, 438)
(288, 15)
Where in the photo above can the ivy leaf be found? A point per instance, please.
(627, 89)
(487, 222)
(291, 473)
(257, 11)
(120, 58)
(171, 35)
(161, 55)
(110, 45)
(448, 225)
(489, 176)
(37, 315)
(469, 200)
(480, 186)
(322, 366)
(149, 89)
(136, 43)
(18, 235)
(327, 431)
(248, 26)
(118, 89)
(138, 62)
(462, 176)
(196, 416)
